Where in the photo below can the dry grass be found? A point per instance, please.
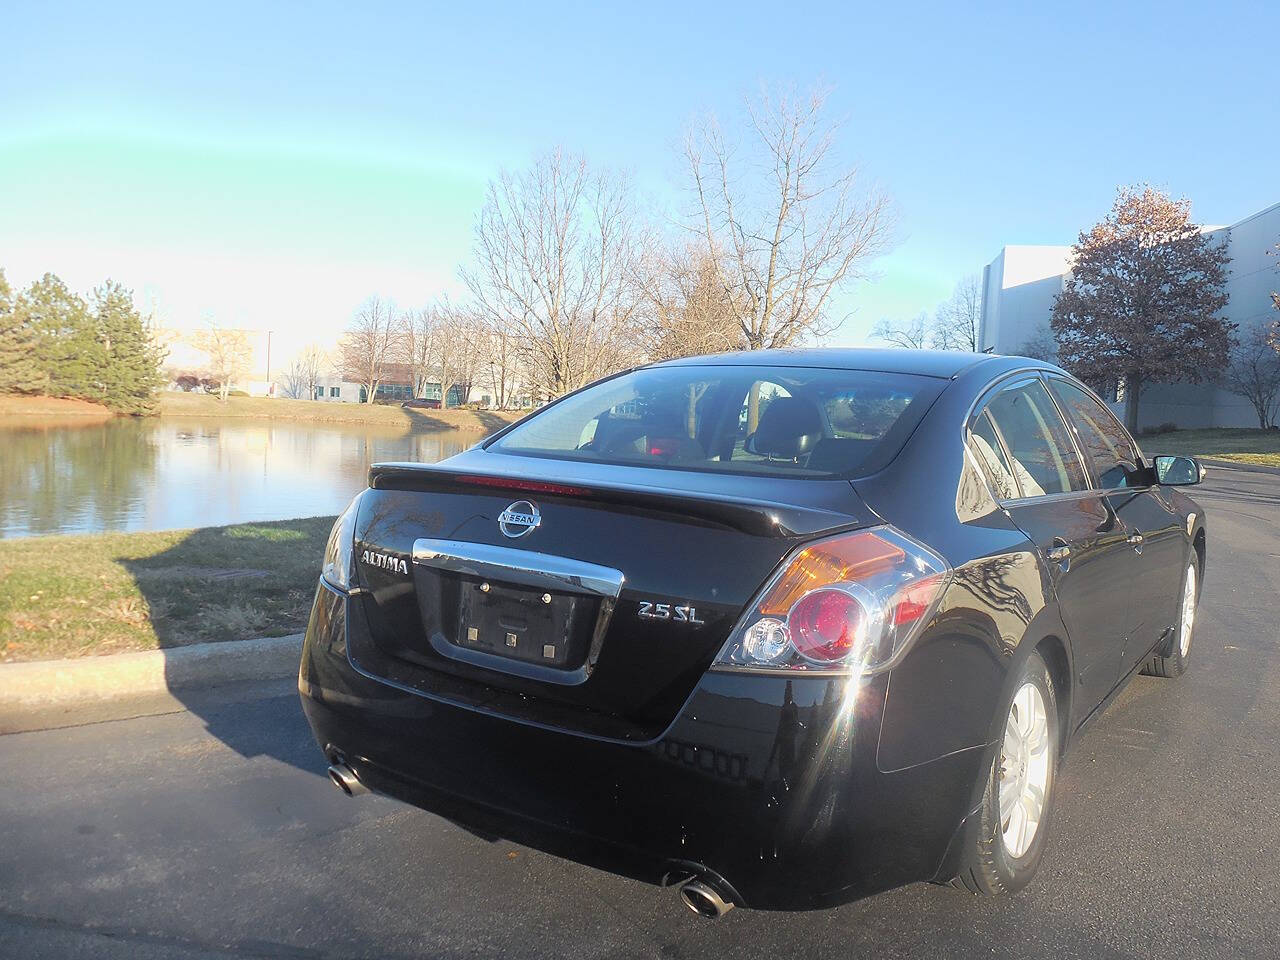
(318, 411)
(1243, 445)
(51, 407)
(116, 592)
(55, 411)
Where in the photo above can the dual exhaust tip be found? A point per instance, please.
(704, 900)
(345, 779)
(697, 895)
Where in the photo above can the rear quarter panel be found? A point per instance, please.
(946, 695)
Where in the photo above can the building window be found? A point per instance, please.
(335, 391)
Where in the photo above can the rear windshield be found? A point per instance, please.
(793, 421)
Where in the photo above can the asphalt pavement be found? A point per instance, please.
(213, 832)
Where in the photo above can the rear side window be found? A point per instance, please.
(792, 421)
(1041, 455)
(985, 443)
(1105, 442)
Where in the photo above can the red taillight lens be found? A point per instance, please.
(854, 601)
(826, 625)
(913, 601)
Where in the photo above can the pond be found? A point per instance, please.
(171, 473)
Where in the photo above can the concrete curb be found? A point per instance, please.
(1235, 465)
(61, 686)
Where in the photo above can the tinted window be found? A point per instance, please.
(776, 420)
(1108, 447)
(1042, 457)
(982, 437)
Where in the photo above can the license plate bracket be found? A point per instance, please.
(474, 597)
(533, 626)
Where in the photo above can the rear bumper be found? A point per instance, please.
(766, 786)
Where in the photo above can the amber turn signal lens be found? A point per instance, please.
(842, 560)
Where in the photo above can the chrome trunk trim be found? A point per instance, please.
(524, 567)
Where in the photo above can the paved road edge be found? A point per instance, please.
(55, 686)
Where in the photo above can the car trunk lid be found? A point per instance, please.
(591, 602)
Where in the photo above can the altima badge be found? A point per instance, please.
(385, 561)
(519, 518)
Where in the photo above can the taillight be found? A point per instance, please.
(851, 602)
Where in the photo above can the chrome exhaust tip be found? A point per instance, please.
(345, 779)
(703, 900)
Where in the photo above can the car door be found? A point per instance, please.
(1072, 524)
(1153, 528)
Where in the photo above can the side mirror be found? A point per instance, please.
(1178, 471)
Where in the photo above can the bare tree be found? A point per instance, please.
(956, 323)
(303, 373)
(230, 354)
(794, 224)
(1041, 345)
(369, 344)
(1254, 371)
(912, 334)
(1275, 295)
(417, 342)
(458, 339)
(295, 382)
(500, 361)
(553, 250)
(688, 309)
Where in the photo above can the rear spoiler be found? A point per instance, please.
(758, 517)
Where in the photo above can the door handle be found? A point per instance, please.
(1060, 553)
(1136, 540)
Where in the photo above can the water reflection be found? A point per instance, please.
(174, 473)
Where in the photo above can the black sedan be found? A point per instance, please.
(783, 629)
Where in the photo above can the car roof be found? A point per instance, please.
(946, 364)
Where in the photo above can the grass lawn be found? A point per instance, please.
(115, 592)
(172, 404)
(51, 407)
(1246, 445)
(280, 408)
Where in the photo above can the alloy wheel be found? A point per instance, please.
(1025, 759)
(1188, 611)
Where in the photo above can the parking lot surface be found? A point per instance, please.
(213, 832)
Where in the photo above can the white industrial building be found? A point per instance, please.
(1019, 287)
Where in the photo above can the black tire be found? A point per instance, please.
(988, 868)
(1171, 660)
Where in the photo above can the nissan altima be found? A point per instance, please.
(781, 629)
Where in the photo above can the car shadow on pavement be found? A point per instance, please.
(228, 583)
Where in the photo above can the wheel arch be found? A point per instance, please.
(1054, 652)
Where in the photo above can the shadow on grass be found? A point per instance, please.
(491, 422)
(488, 420)
(234, 583)
(421, 419)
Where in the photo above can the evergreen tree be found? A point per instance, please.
(21, 369)
(130, 373)
(70, 351)
(53, 343)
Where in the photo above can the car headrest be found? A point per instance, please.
(789, 427)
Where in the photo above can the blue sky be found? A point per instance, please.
(270, 166)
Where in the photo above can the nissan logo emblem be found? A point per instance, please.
(519, 518)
